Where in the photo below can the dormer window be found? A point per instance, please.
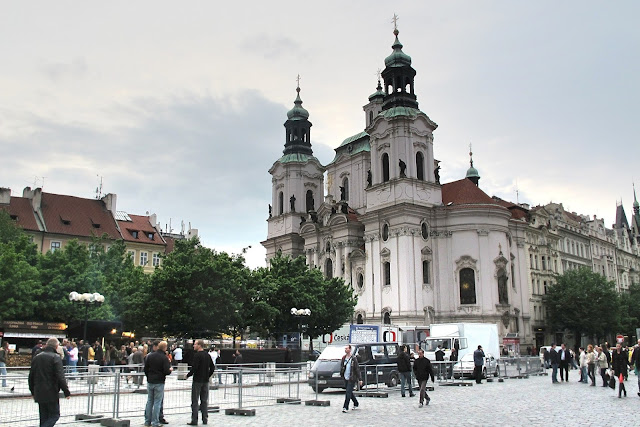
(95, 225)
(150, 236)
(134, 233)
(14, 217)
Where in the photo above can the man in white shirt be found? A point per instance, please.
(177, 355)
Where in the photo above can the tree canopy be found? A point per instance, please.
(583, 302)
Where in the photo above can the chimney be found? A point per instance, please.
(35, 196)
(5, 196)
(109, 201)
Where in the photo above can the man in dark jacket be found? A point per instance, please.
(237, 360)
(478, 363)
(565, 362)
(156, 368)
(554, 358)
(404, 368)
(423, 370)
(46, 379)
(201, 368)
(350, 373)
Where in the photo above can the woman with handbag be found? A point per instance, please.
(619, 363)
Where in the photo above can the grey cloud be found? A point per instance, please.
(192, 158)
(62, 71)
(272, 47)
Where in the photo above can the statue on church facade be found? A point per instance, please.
(292, 202)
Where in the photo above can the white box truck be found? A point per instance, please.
(467, 336)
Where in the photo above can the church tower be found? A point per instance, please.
(403, 191)
(297, 185)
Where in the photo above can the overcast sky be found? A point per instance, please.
(179, 106)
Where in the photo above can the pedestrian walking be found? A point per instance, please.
(583, 366)
(554, 360)
(237, 360)
(478, 363)
(591, 364)
(201, 369)
(4, 352)
(404, 368)
(635, 362)
(601, 361)
(213, 353)
(46, 379)
(177, 355)
(73, 358)
(350, 373)
(619, 362)
(156, 368)
(565, 362)
(137, 360)
(423, 370)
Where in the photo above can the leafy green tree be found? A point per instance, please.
(630, 310)
(19, 276)
(584, 302)
(194, 292)
(290, 283)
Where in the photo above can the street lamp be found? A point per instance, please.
(298, 313)
(86, 299)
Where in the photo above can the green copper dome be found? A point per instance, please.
(398, 58)
(298, 112)
(472, 173)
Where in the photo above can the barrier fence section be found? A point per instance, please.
(120, 391)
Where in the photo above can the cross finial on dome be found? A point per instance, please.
(298, 80)
(470, 155)
(395, 23)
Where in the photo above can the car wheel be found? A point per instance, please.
(484, 373)
(319, 389)
(393, 380)
(497, 372)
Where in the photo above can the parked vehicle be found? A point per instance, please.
(378, 364)
(465, 366)
(548, 347)
(464, 336)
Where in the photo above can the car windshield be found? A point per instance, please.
(333, 352)
(467, 357)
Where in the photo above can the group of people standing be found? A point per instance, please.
(613, 366)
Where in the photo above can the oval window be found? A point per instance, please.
(424, 231)
(385, 232)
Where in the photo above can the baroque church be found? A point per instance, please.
(415, 251)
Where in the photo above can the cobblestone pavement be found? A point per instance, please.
(514, 402)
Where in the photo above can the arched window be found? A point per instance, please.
(425, 272)
(345, 193)
(328, 247)
(420, 166)
(424, 231)
(387, 273)
(310, 203)
(467, 286)
(280, 203)
(360, 282)
(385, 167)
(328, 269)
(385, 232)
(359, 319)
(387, 318)
(370, 117)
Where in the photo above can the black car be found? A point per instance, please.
(378, 364)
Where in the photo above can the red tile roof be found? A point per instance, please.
(21, 209)
(517, 211)
(141, 225)
(77, 217)
(464, 192)
(170, 244)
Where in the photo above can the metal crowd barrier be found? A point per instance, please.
(520, 367)
(122, 393)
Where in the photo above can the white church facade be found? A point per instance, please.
(414, 250)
